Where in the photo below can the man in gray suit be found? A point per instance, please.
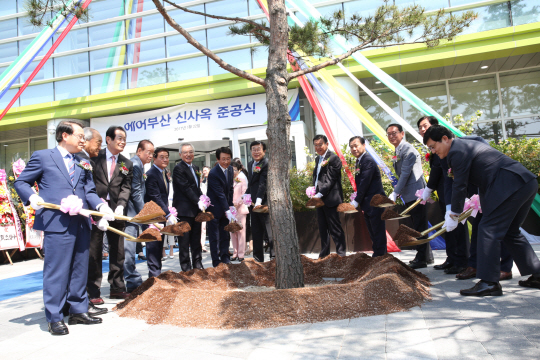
(507, 190)
(408, 167)
(145, 150)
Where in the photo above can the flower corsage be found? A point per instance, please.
(123, 169)
(257, 169)
(450, 173)
(85, 165)
(324, 163)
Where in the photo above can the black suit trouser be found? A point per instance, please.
(420, 223)
(456, 241)
(377, 230)
(329, 224)
(191, 239)
(502, 225)
(260, 222)
(219, 240)
(154, 252)
(116, 260)
(506, 259)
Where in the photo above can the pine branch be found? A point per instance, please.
(205, 50)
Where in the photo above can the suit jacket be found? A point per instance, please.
(220, 191)
(329, 183)
(436, 174)
(257, 181)
(47, 168)
(156, 190)
(187, 191)
(408, 168)
(138, 189)
(496, 175)
(368, 181)
(119, 188)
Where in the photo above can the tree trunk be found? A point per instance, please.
(289, 270)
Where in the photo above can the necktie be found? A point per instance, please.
(71, 165)
(225, 173)
(318, 170)
(194, 175)
(164, 178)
(253, 167)
(113, 166)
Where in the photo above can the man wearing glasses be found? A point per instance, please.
(408, 167)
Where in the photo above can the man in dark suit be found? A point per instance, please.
(327, 182)
(368, 183)
(186, 200)
(113, 174)
(157, 190)
(60, 174)
(257, 180)
(220, 191)
(145, 151)
(456, 241)
(506, 189)
(92, 144)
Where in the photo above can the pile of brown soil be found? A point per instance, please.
(407, 230)
(389, 214)
(233, 227)
(149, 211)
(346, 208)
(150, 234)
(261, 209)
(214, 297)
(314, 203)
(177, 229)
(204, 216)
(378, 200)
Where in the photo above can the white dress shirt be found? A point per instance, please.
(64, 152)
(193, 172)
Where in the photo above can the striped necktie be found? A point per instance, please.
(71, 165)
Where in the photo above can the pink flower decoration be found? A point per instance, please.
(206, 201)
(310, 191)
(419, 193)
(3, 176)
(233, 210)
(473, 203)
(18, 167)
(72, 205)
(247, 199)
(353, 196)
(173, 211)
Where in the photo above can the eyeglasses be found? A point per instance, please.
(392, 134)
(188, 152)
(80, 137)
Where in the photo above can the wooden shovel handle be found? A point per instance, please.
(411, 207)
(121, 233)
(425, 232)
(91, 212)
(460, 219)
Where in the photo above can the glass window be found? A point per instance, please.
(489, 17)
(24, 43)
(177, 45)
(146, 51)
(145, 26)
(37, 94)
(187, 68)
(525, 12)
(107, 33)
(9, 52)
(361, 7)
(529, 127)
(254, 8)
(38, 144)
(489, 130)
(239, 58)
(433, 95)
(326, 11)
(231, 8)
(73, 88)
(378, 113)
(185, 19)
(142, 5)
(521, 93)
(260, 57)
(71, 65)
(8, 28)
(147, 75)
(107, 58)
(108, 82)
(46, 72)
(75, 39)
(426, 4)
(105, 9)
(26, 28)
(218, 38)
(470, 95)
(8, 7)
(14, 151)
(4, 101)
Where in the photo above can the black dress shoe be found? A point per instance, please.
(141, 257)
(83, 318)
(531, 282)
(445, 265)
(417, 264)
(240, 259)
(483, 288)
(199, 266)
(58, 328)
(93, 310)
(234, 258)
(454, 270)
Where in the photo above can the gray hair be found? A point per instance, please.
(187, 144)
(89, 133)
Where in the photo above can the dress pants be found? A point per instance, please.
(456, 241)
(329, 224)
(191, 240)
(219, 240)
(260, 222)
(502, 225)
(506, 259)
(154, 251)
(238, 239)
(377, 230)
(131, 275)
(65, 270)
(420, 223)
(116, 260)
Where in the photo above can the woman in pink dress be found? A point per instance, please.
(240, 184)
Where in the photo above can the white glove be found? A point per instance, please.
(230, 216)
(104, 208)
(354, 203)
(318, 195)
(119, 210)
(258, 202)
(450, 221)
(427, 193)
(393, 196)
(103, 224)
(171, 220)
(34, 199)
(201, 206)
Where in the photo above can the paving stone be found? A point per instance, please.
(453, 348)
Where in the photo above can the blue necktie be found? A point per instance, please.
(71, 165)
